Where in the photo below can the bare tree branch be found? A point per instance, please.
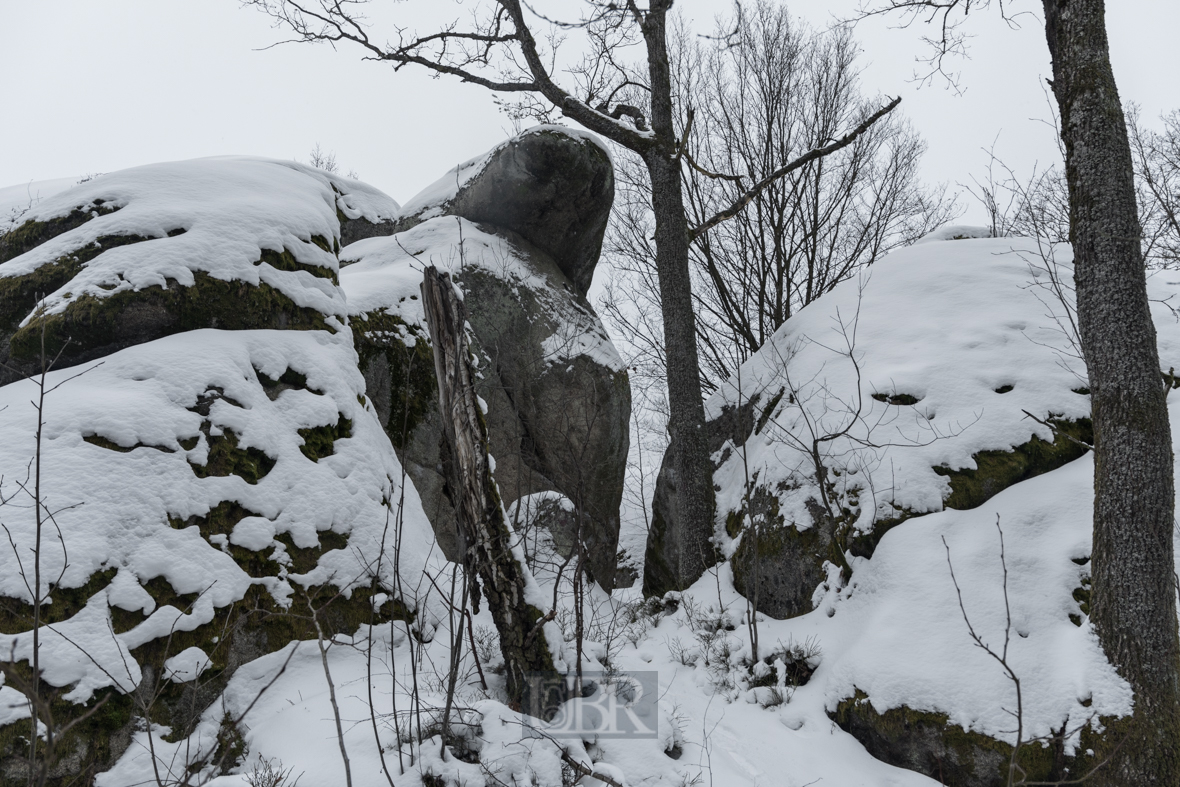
(811, 155)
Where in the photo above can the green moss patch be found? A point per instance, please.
(248, 629)
(32, 234)
(111, 445)
(226, 458)
(220, 520)
(320, 441)
(995, 471)
(16, 615)
(928, 743)
(84, 751)
(95, 326)
(400, 378)
(285, 261)
(19, 295)
(304, 559)
(779, 566)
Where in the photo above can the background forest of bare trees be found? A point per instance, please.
(1035, 203)
(764, 90)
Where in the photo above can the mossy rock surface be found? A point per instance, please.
(320, 441)
(19, 295)
(788, 560)
(778, 565)
(31, 234)
(86, 750)
(250, 628)
(398, 364)
(91, 327)
(926, 742)
(995, 471)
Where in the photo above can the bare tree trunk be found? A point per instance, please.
(694, 470)
(474, 495)
(1133, 604)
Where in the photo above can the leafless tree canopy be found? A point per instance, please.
(1036, 204)
(754, 99)
(1157, 179)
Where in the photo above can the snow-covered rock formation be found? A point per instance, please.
(238, 573)
(935, 397)
(200, 463)
(520, 228)
(209, 480)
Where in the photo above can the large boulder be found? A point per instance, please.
(929, 418)
(557, 394)
(551, 185)
(838, 431)
(212, 462)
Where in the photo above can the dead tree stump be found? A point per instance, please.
(473, 493)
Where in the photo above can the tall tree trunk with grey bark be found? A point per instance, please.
(694, 470)
(1133, 606)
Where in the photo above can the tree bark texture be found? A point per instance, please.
(474, 495)
(694, 470)
(1133, 605)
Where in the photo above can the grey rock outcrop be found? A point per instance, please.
(549, 187)
(557, 395)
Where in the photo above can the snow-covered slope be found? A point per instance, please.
(915, 385)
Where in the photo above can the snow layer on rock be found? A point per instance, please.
(230, 209)
(17, 200)
(956, 232)
(385, 273)
(429, 202)
(971, 329)
(115, 506)
(187, 665)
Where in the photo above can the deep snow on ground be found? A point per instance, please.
(946, 321)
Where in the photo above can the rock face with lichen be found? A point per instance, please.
(521, 229)
(214, 466)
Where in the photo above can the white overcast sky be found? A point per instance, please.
(99, 85)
